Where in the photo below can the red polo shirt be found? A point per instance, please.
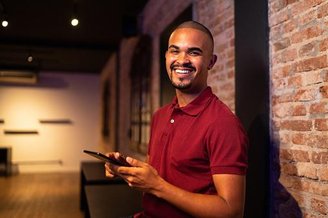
(190, 144)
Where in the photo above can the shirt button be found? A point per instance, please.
(172, 121)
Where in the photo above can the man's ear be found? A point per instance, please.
(212, 62)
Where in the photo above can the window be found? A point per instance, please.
(140, 96)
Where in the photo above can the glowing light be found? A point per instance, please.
(74, 22)
(4, 23)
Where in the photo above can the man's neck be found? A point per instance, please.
(185, 97)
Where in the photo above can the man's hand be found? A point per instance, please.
(141, 175)
(109, 172)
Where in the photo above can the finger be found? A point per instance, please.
(134, 162)
(108, 171)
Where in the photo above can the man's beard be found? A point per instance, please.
(181, 86)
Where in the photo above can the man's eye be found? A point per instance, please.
(194, 53)
(174, 51)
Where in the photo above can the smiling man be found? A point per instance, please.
(197, 155)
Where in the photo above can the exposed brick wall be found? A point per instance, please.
(299, 104)
(218, 16)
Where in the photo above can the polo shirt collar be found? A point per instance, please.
(197, 105)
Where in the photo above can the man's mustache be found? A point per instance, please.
(185, 65)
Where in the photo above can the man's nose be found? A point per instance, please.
(183, 58)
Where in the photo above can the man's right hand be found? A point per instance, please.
(108, 171)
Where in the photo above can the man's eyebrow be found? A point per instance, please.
(173, 46)
(195, 49)
(189, 49)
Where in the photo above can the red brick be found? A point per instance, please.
(299, 110)
(308, 33)
(299, 139)
(279, 84)
(301, 185)
(318, 140)
(300, 155)
(324, 91)
(287, 97)
(312, 64)
(319, 157)
(281, 111)
(307, 18)
(289, 169)
(312, 77)
(324, 75)
(323, 11)
(295, 81)
(283, 72)
(318, 188)
(297, 125)
(304, 6)
(319, 206)
(278, 5)
(289, 55)
(297, 37)
(282, 44)
(306, 170)
(307, 50)
(291, 2)
(279, 17)
(323, 174)
(323, 46)
(289, 26)
(285, 154)
(231, 74)
(321, 124)
(319, 108)
(305, 95)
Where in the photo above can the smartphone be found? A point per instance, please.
(121, 161)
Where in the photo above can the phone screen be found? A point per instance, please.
(121, 161)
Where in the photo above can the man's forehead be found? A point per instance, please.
(198, 30)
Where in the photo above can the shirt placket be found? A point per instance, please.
(167, 138)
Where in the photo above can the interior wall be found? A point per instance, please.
(299, 106)
(56, 96)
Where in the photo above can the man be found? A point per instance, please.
(197, 155)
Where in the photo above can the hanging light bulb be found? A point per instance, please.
(74, 22)
(30, 58)
(4, 23)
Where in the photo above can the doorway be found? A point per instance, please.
(252, 99)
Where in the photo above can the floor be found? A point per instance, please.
(48, 195)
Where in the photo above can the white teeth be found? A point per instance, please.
(182, 71)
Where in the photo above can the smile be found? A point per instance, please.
(184, 71)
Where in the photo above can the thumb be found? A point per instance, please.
(134, 162)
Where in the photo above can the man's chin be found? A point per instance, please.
(181, 86)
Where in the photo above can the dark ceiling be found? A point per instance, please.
(42, 28)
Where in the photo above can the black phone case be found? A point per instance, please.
(111, 159)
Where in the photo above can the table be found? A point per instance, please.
(5, 160)
(112, 201)
(93, 173)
